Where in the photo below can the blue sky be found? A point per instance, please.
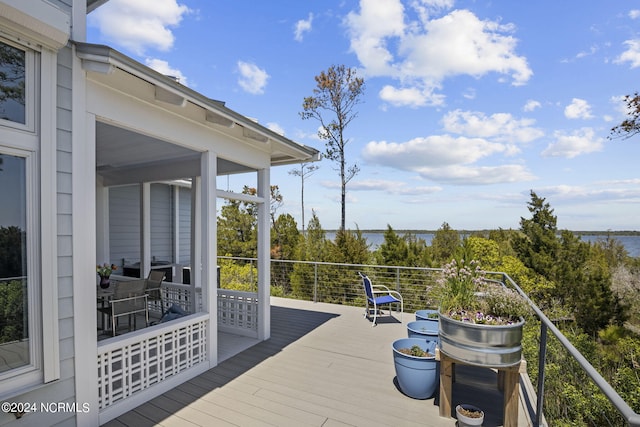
(468, 105)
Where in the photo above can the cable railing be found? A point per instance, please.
(339, 284)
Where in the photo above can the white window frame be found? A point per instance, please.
(36, 142)
(30, 90)
(30, 373)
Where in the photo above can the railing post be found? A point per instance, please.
(542, 355)
(398, 279)
(315, 282)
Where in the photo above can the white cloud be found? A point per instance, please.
(301, 27)
(431, 151)
(578, 142)
(410, 97)
(422, 55)
(500, 127)
(253, 79)
(446, 159)
(163, 67)
(391, 187)
(478, 175)
(531, 105)
(275, 127)
(631, 55)
(139, 25)
(578, 109)
(634, 14)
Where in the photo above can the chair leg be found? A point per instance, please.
(375, 314)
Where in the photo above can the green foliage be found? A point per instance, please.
(12, 311)
(237, 234)
(537, 247)
(486, 251)
(445, 243)
(239, 276)
(350, 248)
(12, 244)
(407, 250)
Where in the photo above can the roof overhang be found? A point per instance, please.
(105, 60)
(37, 21)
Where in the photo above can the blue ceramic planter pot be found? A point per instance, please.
(424, 315)
(423, 329)
(417, 376)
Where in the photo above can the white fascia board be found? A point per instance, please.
(100, 54)
(39, 21)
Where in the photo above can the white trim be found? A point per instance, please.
(31, 83)
(84, 242)
(264, 256)
(145, 229)
(29, 376)
(209, 250)
(241, 196)
(39, 21)
(48, 216)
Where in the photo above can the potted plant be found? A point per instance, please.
(104, 271)
(480, 321)
(469, 415)
(415, 364)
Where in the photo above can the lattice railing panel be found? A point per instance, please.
(138, 362)
(238, 310)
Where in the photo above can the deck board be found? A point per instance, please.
(324, 365)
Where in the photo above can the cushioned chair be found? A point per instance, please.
(129, 299)
(378, 295)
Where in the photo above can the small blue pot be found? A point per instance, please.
(417, 376)
(423, 329)
(424, 315)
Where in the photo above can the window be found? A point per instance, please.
(12, 83)
(22, 325)
(18, 87)
(15, 349)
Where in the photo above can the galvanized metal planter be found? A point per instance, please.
(481, 345)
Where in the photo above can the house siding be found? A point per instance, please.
(161, 223)
(124, 224)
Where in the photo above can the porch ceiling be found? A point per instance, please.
(126, 157)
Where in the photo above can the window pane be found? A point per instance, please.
(14, 316)
(12, 83)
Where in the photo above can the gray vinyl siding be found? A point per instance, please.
(124, 224)
(161, 223)
(184, 224)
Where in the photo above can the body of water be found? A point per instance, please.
(630, 242)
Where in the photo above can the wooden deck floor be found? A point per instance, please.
(323, 366)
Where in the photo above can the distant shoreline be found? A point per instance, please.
(578, 233)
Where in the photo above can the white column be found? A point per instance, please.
(102, 222)
(145, 229)
(196, 238)
(175, 251)
(264, 256)
(209, 250)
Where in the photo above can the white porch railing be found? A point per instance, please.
(132, 363)
(136, 361)
(238, 312)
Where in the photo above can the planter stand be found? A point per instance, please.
(508, 376)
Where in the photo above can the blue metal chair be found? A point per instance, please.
(378, 295)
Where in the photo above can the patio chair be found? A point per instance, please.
(129, 299)
(152, 287)
(378, 295)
